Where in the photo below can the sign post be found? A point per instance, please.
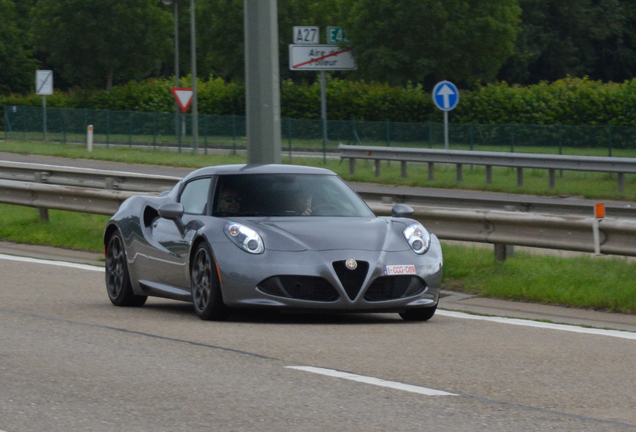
(303, 57)
(44, 87)
(446, 98)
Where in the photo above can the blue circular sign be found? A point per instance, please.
(445, 95)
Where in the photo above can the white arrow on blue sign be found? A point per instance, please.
(445, 95)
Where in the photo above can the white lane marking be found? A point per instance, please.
(55, 263)
(539, 324)
(373, 381)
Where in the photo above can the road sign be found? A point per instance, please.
(44, 82)
(183, 97)
(335, 35)
(306, 34)
(445, 95)
(320, 57)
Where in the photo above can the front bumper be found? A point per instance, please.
(242, 273)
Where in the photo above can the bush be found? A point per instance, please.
(570, 101)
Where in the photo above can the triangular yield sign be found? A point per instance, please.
(183, 97)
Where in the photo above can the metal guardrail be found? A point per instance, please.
(620, 166)
(85, 177)
(556, 231)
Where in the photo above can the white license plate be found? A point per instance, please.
(399, 269)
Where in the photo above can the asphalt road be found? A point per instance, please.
(69, 360)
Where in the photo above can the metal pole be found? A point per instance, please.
(446, 130)
(176, 67)
(44, 115)
(323, 108)
(262, 87)
(195, 111)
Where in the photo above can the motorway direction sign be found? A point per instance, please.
(445, 95)
(183, 97)
(44, 82)
(335, 35)
(320, 57)
(306, 34)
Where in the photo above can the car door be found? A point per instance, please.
(172, 259)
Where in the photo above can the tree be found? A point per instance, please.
(574, 37)
(423, 41)
(101, 42)
(17, 68)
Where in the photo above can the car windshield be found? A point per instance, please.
(286, 195)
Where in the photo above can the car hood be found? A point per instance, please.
(331, 233)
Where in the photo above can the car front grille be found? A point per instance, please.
(300, 287)
(394, 287)
(351, 280)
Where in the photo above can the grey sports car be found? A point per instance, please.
(270, 236)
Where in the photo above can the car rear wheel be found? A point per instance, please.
(118, 283)
(419, 314)
(206, 289)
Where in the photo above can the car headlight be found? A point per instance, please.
(244, 237)
(418, 237)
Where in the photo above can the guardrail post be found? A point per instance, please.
(502, 251)
(403, 163)
(552, 178)
(519, 176)
(621, 182)
(488, 174)
(460, 174)
(352, 166)
(40, 177)
(378, 163)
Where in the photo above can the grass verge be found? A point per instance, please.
(572, 183)
(602, 284)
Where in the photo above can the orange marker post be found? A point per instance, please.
(599, 213)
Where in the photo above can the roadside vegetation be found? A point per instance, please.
(586, 282)
(571, 183)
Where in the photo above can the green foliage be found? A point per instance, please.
(100, 42)
(17, 67)
(571, 101)
(398, 41)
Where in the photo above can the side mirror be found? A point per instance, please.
(402, 210)
(173, 212)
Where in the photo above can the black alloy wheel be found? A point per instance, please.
(118, 283)
(419, 314)
(206, 289)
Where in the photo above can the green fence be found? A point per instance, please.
(157, 130)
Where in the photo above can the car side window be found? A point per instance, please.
(194, 197)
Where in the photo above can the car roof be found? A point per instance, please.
(243, 169)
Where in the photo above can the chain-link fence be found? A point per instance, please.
(156, 130)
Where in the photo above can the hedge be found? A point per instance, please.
(570, 101)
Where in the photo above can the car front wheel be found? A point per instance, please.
(206, 289)
(419, 314)
(118, 283)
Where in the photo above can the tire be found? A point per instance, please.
(118, 283)
(206, 289)
(419, 314)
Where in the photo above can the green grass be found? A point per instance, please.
(572, 183)
(69, 230)
(586, 282)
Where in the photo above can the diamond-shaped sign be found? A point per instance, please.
(183, 97)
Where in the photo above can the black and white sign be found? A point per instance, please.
(320, 57)
(306, 34)
(44, 82)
